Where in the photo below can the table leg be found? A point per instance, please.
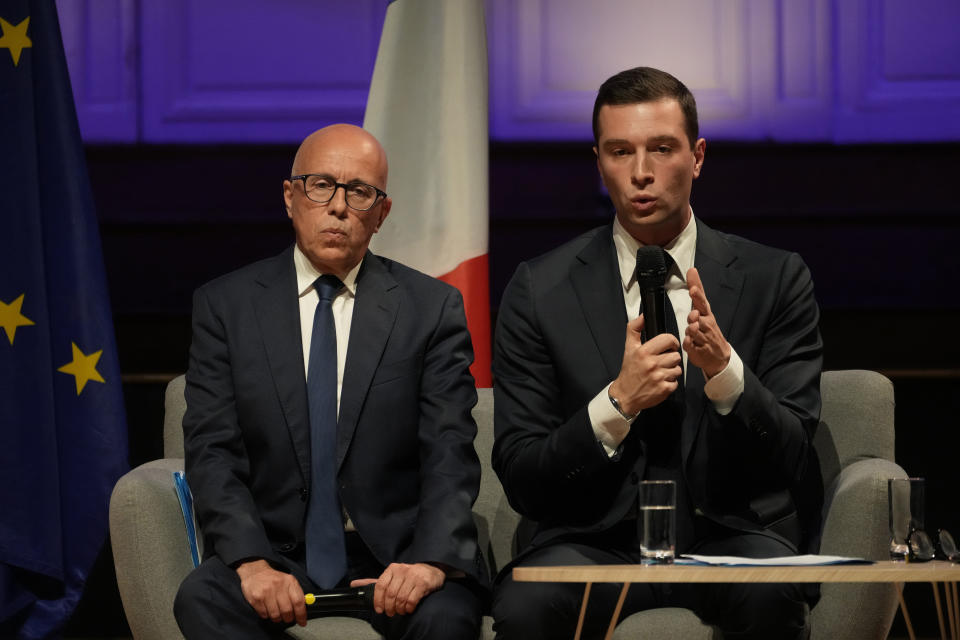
(936, 598)
(583, 611)
(956, 610)
(951, 611)
(617, 610)
(903, 610)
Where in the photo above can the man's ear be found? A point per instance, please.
(699, 152)
(385, 207)
(288, 198)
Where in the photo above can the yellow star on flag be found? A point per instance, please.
(83, 368)
(11, 318)
(15, 38)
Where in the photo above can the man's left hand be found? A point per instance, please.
(704, 343)
(401, 587)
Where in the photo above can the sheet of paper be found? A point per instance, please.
(785, 561)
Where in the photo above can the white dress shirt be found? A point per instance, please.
(342, 305)
(724, 389)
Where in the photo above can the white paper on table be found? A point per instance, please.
(809, 560)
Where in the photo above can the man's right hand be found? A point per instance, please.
(273, 594)
(649, 371)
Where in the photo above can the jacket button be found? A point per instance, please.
(303, 495)
(286, 547)
(634, 478)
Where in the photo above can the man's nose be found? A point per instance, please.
(338, 203)
(642, 173)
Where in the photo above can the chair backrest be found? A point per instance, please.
(174, 406)
(496, 520)
(856, 421)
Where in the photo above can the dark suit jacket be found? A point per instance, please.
(559, 341)
(408, 471)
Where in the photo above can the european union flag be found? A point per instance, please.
(63, 430)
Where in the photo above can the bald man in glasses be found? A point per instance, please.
(328, 434)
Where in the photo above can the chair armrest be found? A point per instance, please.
(856, 521)
(150, 549)
(857, 524)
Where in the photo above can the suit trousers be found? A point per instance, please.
(532, 610)
(210, 604)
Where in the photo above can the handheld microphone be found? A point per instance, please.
(651, 272)
(352, 599)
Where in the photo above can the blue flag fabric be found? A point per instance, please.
(63, 435)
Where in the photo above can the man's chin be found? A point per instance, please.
(332, 259)
(655, 227)
(643, 220)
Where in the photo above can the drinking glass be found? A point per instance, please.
(906, 513)
(658, 521)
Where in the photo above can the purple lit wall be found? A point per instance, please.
(210, 71)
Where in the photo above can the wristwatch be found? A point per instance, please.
(616, 405)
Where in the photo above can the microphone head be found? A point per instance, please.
(651, 267)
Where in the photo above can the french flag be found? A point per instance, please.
(428, 107)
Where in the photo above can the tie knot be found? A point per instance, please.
(327, 286)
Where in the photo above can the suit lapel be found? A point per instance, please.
(278, 314)
(374, 313)
(595, 278)
(723, 285)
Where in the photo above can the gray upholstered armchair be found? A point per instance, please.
(152, 556)
(855, 443)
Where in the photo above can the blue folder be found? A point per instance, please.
(186, 506)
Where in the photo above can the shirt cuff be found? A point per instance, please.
(725, 388)
(609, 426)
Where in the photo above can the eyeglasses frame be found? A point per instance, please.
(381, 195)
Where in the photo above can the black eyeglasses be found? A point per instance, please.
(358, 195)
(922, 549)
(948, 548)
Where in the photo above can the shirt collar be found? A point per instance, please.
(307, 274)
(681, 249)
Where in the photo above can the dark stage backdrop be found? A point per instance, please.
(878, 225)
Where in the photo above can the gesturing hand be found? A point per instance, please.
(400, 587)
(273, 594)
(704, 343)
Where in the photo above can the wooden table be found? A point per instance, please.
(894, 572)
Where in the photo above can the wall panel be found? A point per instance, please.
(899, 70)
(209, 71)
(801, 105)
(243, 70)
(100, 42)
(549, 56)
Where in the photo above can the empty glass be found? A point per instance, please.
(906, 498)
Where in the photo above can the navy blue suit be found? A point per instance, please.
(559, 341)
(407, 469)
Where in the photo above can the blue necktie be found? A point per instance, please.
(326, 553)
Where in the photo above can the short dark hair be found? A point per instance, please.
(646, 84)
